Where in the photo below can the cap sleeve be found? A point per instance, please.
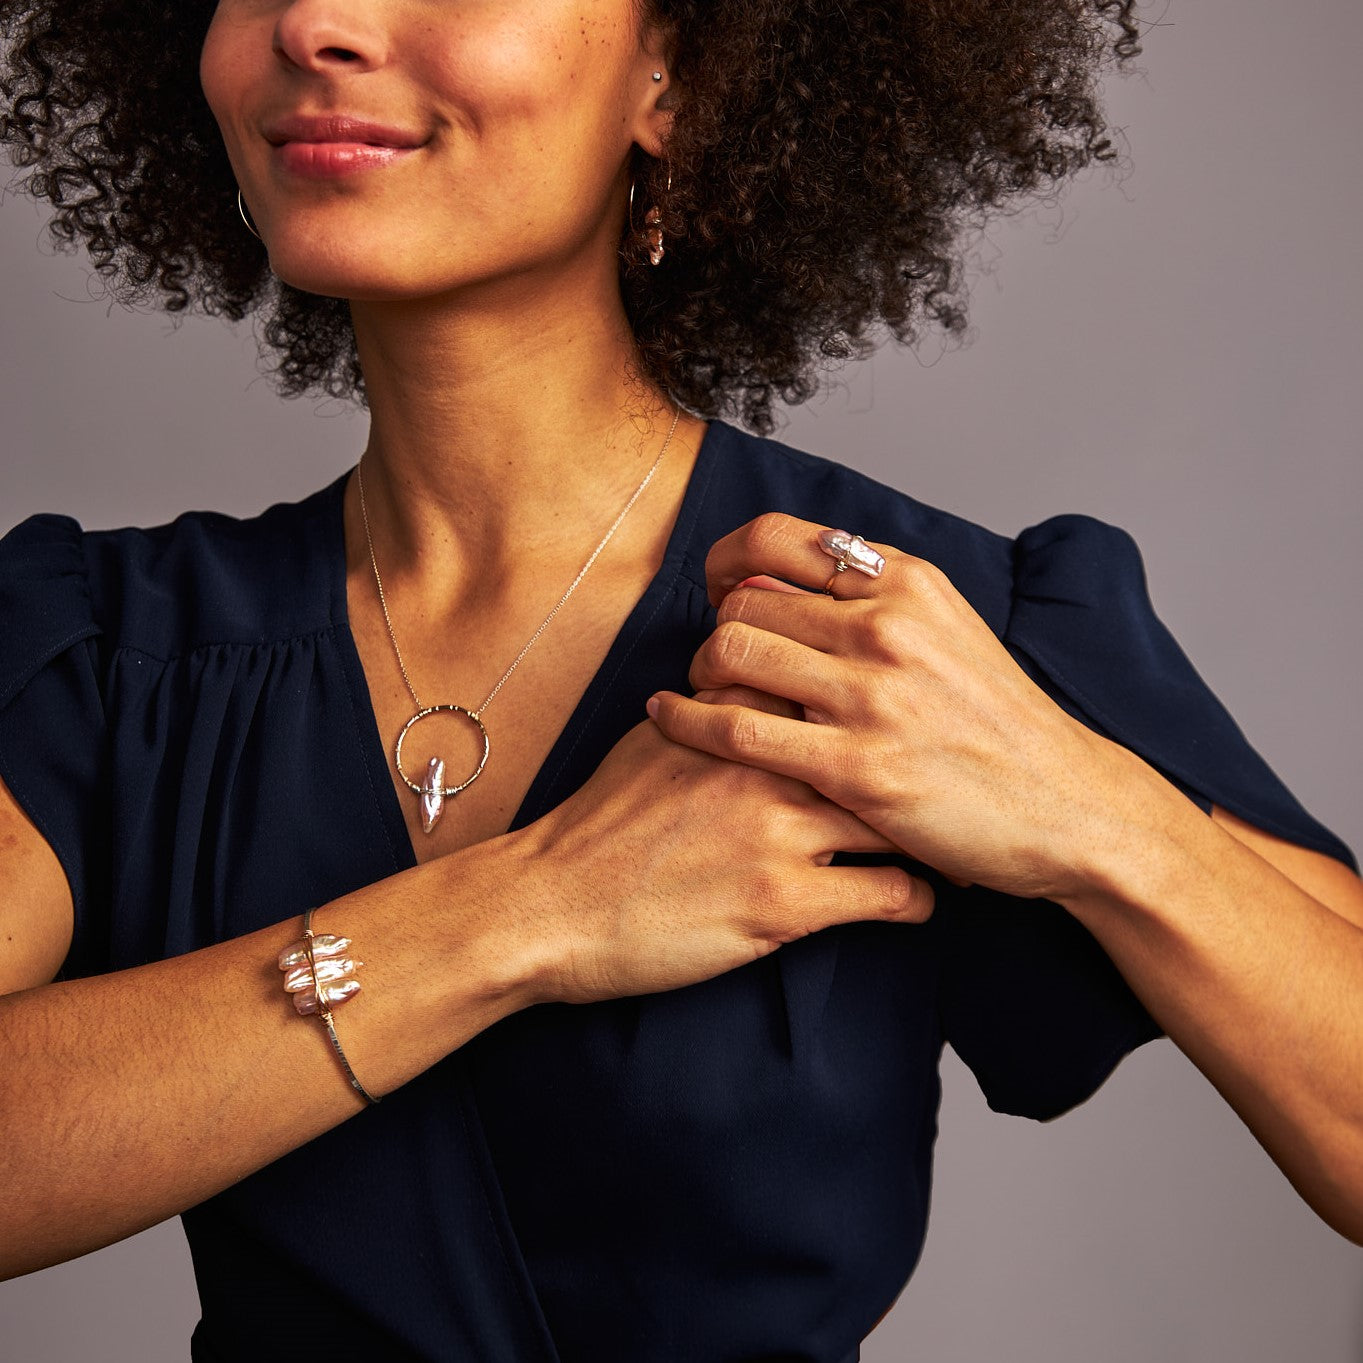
(1029, 999)
(1082, 615)
(53, 740)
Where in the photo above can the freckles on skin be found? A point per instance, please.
(225, 68)
(538, 82)
(526, 110)
(519, 58)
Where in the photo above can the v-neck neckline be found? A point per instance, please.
(643, 614)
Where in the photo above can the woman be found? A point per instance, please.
(564, 1135)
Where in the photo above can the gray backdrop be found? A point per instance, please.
(1176, 352)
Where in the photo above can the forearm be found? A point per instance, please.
(1259, 983)
(126, 1098)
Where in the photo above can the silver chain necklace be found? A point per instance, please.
(433, 790)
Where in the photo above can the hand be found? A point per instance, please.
(670, 866)
(915, 717)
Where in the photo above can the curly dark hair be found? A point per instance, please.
(826, 159)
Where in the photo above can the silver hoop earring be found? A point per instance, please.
(241, 208)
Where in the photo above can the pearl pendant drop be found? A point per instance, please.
(432, 793)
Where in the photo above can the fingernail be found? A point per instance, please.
(652, 707)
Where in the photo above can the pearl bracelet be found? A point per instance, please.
(320, 976)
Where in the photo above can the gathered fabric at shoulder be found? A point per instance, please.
(44, 597)
(54, 744)
(1082, 615)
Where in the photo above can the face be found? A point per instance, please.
(399, 148)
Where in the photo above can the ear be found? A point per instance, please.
(652, 122)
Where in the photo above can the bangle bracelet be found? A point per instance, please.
(320, 976)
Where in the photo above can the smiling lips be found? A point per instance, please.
(335, 145)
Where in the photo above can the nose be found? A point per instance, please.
(330, 36)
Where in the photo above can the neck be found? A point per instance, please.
(506, 434)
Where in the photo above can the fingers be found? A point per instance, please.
(786, 547)
(842, 831)
(772, 584)
(737, 654)
(838, 829)
(778, 743)
(751, 697)
(809, 618)
(857, 894)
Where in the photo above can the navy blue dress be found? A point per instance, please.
(733, 1172)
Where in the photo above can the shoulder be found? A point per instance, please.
(756, 474)
(204, 577)
(1068, 553)
(759, 474)
(45, 604)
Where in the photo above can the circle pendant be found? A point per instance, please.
(447, 791)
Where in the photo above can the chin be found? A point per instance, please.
(343, 274)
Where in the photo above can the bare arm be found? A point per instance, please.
(128, 1097)
(1248, 951)
(125, 1098)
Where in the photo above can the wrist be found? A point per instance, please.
(503, 920)
(1139, 842)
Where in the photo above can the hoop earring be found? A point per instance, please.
(653, 232)
(241, 208)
